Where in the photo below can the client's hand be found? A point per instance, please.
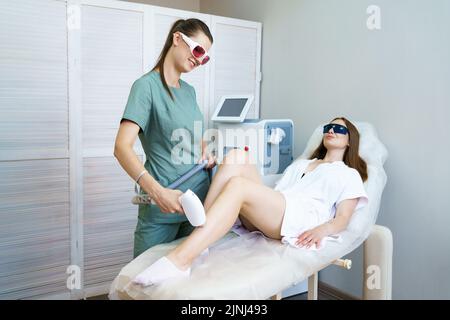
(312, 236)
(167, 201)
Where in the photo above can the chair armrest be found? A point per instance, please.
(378, 250)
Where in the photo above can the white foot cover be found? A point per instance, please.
(161, 270)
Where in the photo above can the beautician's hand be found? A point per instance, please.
(167, 201)
(312, 236)
(212, 160)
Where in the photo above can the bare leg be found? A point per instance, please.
(235, 164)
(262, 206)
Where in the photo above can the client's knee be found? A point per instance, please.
(236, 185)
(238, 189)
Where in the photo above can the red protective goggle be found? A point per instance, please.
(196, 49)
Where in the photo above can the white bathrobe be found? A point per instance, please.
(312, 200)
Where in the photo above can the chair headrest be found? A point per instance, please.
(371, 148)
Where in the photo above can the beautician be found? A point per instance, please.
(160, 103)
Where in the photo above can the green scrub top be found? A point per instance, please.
(170, 133)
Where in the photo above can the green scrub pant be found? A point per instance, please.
(155, 227)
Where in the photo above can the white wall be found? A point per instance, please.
(190, 5)
(320, 61)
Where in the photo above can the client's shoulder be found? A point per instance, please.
(349, 173)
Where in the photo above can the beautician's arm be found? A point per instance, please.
(344, 212)
(166, 199)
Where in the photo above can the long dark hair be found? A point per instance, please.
(351, 155)
(189, 27)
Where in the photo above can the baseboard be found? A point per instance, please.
(334, 293)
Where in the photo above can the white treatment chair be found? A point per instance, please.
(252, 266)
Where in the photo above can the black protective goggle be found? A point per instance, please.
(337, 128)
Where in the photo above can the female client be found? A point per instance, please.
(313, 199)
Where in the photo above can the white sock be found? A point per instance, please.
(161, 270)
